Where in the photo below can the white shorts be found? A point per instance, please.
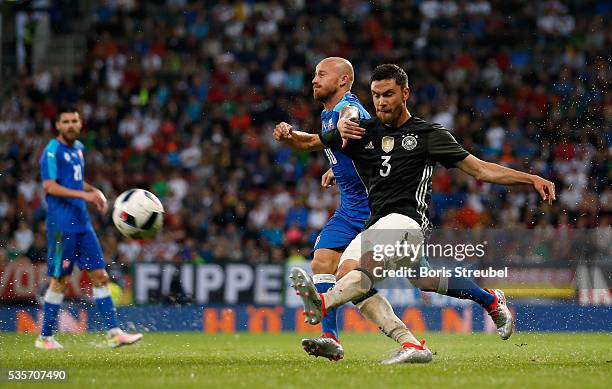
(388, 231)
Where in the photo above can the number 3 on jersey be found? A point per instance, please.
(78, 174)
(386, 165)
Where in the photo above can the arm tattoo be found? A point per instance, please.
(349, 112)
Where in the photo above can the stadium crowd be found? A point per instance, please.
(180, 97)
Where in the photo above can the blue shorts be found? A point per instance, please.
(67, 248)
(339, 231)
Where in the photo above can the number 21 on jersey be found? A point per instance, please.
(386, 166)
(78, 173)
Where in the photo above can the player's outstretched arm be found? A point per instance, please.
(497, 174)
(298, 140)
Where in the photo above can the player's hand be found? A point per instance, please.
(545, 188)
(328, 179)
(349, 129)
(282, 131)
(97, 198)
(102, 205)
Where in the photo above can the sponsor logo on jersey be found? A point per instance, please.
(369, 146)
(387, 143)
(409, 142)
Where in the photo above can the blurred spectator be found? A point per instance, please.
(181, 97)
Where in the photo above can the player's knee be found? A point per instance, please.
(99, 277)
(345, 267)
(59, 284)
(325, 261)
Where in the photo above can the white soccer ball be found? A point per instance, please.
(138, 214)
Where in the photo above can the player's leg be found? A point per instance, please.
(61, 248)
(324, 265)
(492, 300)
(336, 235)
(377, 309)
(91, 259)
(371, 305)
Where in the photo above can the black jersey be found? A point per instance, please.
(396, 164)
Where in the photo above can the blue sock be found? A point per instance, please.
(329, 324)
(53, 301)
(106, 307)
(465, 288)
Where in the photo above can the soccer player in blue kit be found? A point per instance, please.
(70, 236)
(331, 86)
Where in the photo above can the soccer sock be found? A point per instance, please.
(465, 288)
(352, 286)
(378, 310)
(106, 307)
(329, 324)
(51, 307)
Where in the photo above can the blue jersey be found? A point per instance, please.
(353, 193)
(66, 165)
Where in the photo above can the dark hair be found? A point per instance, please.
(390, 71)
(65, 109)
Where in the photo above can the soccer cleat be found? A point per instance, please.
(120, 338)
(501, 315)
(47, 343)
(410, 353)
(323, 346)
(304, 287)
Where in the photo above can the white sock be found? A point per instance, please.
(324, 278)
(378, 310)
(350, 287)
(52, 297)
(101, 292)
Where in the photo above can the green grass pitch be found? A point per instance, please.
(183, 360)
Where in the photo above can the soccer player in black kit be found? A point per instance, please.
(395, 155)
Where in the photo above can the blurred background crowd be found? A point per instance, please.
(180, 97)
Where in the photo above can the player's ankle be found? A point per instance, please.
(323, 308)
(114, 331)
(330, 335)
(493, 306)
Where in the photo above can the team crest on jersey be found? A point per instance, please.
(330, 124)
(387, 143)
(67, 157)
(409, 142)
